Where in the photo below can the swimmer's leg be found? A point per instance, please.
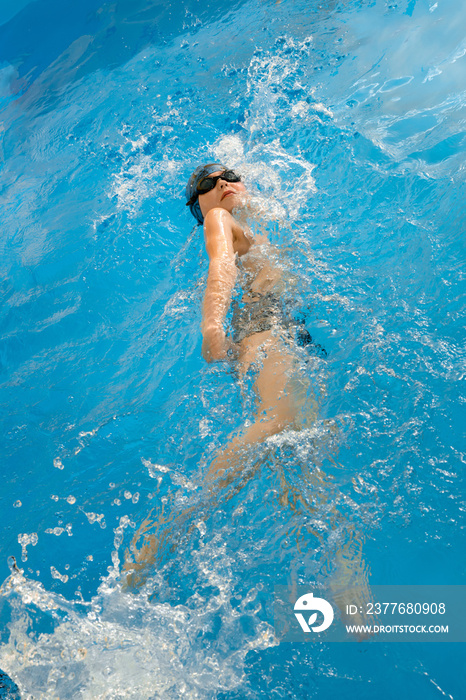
(281, 399)
(278, 407)
(155, 537)
(349, 581)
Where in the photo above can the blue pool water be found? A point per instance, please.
(348, 122)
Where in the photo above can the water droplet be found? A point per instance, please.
(57, 575)
(201, 526)
(12, 565)
(24, 540)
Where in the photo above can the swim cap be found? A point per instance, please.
(191, 188)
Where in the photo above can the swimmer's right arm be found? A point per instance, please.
(218, 234)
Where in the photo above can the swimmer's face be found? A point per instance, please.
(226, 195)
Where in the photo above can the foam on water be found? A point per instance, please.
(121, 644)
(347, 123)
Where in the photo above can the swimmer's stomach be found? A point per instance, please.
(262, 274)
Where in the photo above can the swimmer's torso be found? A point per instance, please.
(259, 274)
(256, 304)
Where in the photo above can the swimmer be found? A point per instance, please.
(260, 329)
(262, 338)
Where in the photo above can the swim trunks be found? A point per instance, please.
(261, 312)
(253, 312)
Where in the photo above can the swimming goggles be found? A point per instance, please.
(208, 183)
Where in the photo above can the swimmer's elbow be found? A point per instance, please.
(210, 357)
(214, 343)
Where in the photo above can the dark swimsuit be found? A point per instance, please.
(255, 313)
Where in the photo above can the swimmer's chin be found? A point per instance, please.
(243, 204)
(235, 200)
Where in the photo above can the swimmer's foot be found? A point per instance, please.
(349, 584)
(353, 605)
(138, 561)
(151, 544)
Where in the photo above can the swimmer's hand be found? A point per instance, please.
(216, 346)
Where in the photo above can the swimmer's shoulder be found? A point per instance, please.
(219, 222)
(217, 215)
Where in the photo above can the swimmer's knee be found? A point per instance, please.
(276, 425)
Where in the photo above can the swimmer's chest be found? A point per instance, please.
(241, 242)
(244, 240)
(258, 274)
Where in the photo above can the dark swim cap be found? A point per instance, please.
(191, 188)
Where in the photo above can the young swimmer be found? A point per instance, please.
(263, 338)
(260, 327)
